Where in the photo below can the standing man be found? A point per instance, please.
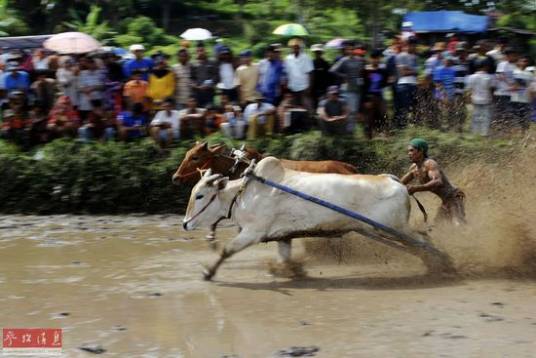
(505, 82)
(205, 77)
(406, 86)
(246, 78)
(271, 75)
(299, 68)
(461, 68)
(350, 69)
(139, 62)
(183, 84)
(321, 75)
(431, 178)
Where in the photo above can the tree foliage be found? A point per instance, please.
(92, 24)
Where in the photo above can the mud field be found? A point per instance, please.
(132, 285)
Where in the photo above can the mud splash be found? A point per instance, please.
(500, 238)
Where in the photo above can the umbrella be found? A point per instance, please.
(196, 34)
(72, 43)
(291, 30)
(335, 43)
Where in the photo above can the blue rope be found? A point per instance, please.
(338, 209)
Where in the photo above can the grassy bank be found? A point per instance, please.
(70, 177)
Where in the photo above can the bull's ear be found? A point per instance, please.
(215, 148)
(205, 145)
(208, 173)
(221, 183)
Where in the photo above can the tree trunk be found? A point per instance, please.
(165, 13)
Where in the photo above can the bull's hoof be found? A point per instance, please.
(207, 275)
(289, 269)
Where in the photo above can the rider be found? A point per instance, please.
(432, 179)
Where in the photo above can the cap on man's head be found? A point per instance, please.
(509, 51)
(420, 144)
(224, 50)
(276, 47)
(137, 47)
(439, 47)
(461, 46)
(317, 48)
(246, 53)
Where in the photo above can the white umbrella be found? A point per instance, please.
(72, 43)
(196, 34)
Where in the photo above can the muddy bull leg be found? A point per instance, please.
(239, 243)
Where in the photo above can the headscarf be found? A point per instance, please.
(420, 144)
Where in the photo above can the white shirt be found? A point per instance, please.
(480, 85)
(298, 69)
(40, 64)
(227, 76)
(68, 82)
(523, 79)
(174, 119)
(253, 109)
(505, 78)
(89, 78)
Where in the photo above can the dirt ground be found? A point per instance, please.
(133, 286)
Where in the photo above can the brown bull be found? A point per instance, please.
(202, 157)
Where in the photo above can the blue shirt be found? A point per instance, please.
(446, 77)
(144, 65)
(128, 119)
(20, 83)
(272, 73)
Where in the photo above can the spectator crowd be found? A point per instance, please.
(106, 97)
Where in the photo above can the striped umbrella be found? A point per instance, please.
(291, 30)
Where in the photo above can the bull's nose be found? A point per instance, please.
(175, 179)
(185, 225)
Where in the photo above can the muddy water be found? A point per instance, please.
(133, 286)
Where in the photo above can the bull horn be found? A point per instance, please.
(211, 179)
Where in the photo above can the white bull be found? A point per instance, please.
(267, 214)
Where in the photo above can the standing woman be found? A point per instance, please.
(161, 84)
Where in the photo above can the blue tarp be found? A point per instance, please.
(446, 21)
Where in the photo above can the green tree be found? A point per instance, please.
(91, 25)
(10, 22)
(143, 30)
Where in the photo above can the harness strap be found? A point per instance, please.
(421, 208)
(204, 208)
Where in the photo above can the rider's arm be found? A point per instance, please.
(434, 174)
(408, 177)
